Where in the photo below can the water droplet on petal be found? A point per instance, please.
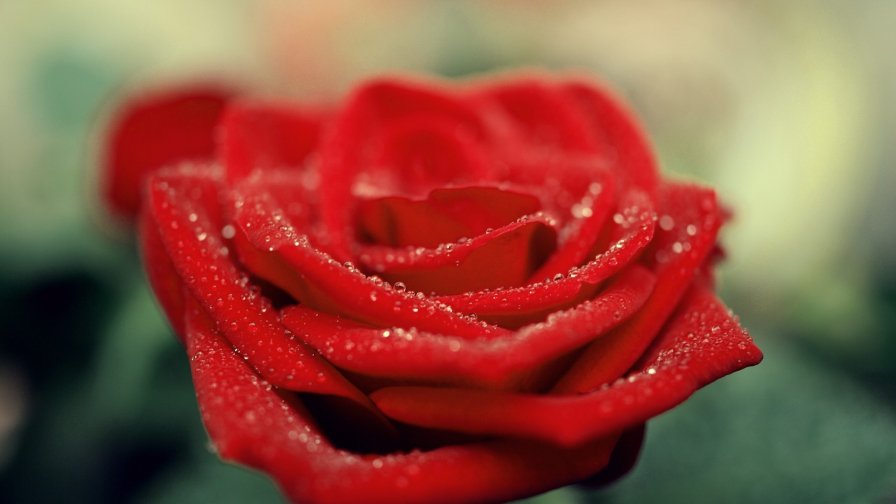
(667, 222)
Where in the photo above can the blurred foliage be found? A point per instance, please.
(787, 107)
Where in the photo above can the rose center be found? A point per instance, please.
(456, 239)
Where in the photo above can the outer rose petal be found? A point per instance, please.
(251, 423)
(701, 344)
(267, 136)
(445, 359)
(163, 276)
(155, 131)
(677, 253)
(183, 208)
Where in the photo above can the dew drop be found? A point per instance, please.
(580, 211)
(667, 223)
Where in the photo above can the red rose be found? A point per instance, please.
(430, 293)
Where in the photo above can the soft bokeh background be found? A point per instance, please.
(788, 108)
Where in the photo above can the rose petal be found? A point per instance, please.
(558, 180)
(620, 137)
(446, 215)
(273, 250)
(251, 423)
(504, 257)
(266, 136)
(688, 225)
(445, 359)
(295, 196)
(701, 344)
(378, 103)
(163, 276)
(524, 304)
(154, 131)
(624, 457)
(183, 206)
(541, 114)
(579, 236)
(417, 153)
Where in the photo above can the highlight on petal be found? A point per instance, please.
(154, 131)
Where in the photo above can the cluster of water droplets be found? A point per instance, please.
(682, 241)
(584, 208)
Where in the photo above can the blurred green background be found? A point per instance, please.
(788, 108)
